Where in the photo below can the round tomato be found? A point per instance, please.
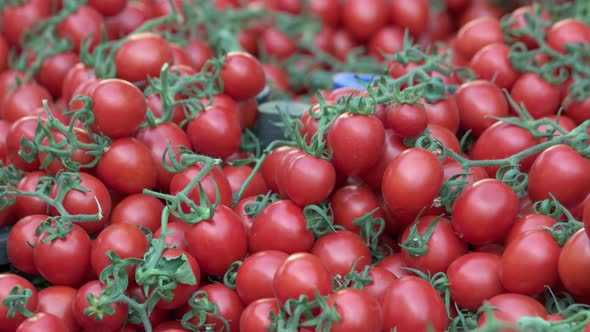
(270, 166)
(229, 305)
(182, 292)
(77, 74)
(215, 132)
(388, 40)
(363, 19)
(110, 321)
(276, 44)
(20, 239)
(340, 251)
(242, 76)
(108, 7)
(511, 307)
(139, 210)
(54, 69)
(358, 311)
(412, 15)
(18, 19)
(26, 206)
(491, 63)
(7, 282)
(381, 280)
(566, 31)
(574, 257)
(213, 178)
(477, 101)
(443, 113)
(256, 273)
(394, 145)
(256, 315)
(176, 237)
(42, 321)
(78, 155)
(23, 101)
(127, 241)
(310, 180)
(199, 52)
(58, 300)
(83, 25)
(282, 174)
(539, 97)
(407, 120)
(288, 284)
(477, 34)
(351, 202)
(527, 223)
(142, 56)
(237, 175)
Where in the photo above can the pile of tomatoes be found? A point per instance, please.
(451, 193)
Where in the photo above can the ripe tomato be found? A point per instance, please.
(270, 166)
(18, 244)
(280, 226)
(447, 138)
(363, 18)
(58, 300)
(256, 315)
(7, 282)
(518, 18)
(358, 311)
(444, 246)
(407, 120)
(387, 40)
(182, 292)
(412, 304)
(502, 140)
(74, 249)
(17, 19)
(394, 145)
(511, 307)
(351, 202)
(78, 155)
(485, 211)
(256, 273)
(310, 180)
(54, 69)
(177, 234)
(282, 174)
(539, 97)
(412, 180)
(562, 172)
(218, 242)
(42, 321)
(575, 256)
(477, 34)
(236, 176)
(26, 206)
(357, 143)
(527, 223)
(78, 74)
(215, 132)
(242, 76)
(276, 44)
(142, 56)
(340, 251)
(474, 278)
(119, 108)
(240, 210)
(109, 321)
(4, 50)
(85, 202)
(477, 101)
(229, 305)
(412, 15)
(83, 25)
(199, 52)
(566, 31)
(491, 63)
(170, 326)
(342, 44)
(382, 279)
(443, 113)
(214, 178)
(288, 284)
(23, 101)
(129, 19)
(127, 241)
(139, 210)
(109, 7)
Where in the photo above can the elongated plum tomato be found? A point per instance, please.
(288, 283)
(357, 142)
(142, 56)
(412, 180)
(242, 75)
(485, 211)
(561, 172)
(310, 180)
(119, 108)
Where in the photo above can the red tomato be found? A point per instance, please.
(127, 241)
(276, 44)
(18, 244)
(177, 234)
(443, 113)
(17, 19)
(340, 251)
(9, 80)
(528, 223)
(83, 25)
(342, 44)
(574, 257)
(199, 52)
(412, 304)
(218, 242)
(7, 282)
(240, 210)
(358, 311)
(142, 56)
(182, 292)
(566, 31)
(58, 300)
(394, 145)
(363, 19)
(108, 7)
(42, 321)
(351, 202)
(282, 174)
(78, 74)
(129, 19)
(256, 315)
(518, 18)
(288, 284)
(215, 132)
(256, 273)
(412, 15)
(4, 50)
(54, 69)
(230, 307)
(26, 206)
(270, 166)
(242, 76)
(280, 226)
(139, 210)
(357, 143)
(534, 250)
(539, 97)
(85, 202)
(119, 108)
(477, 34)
(214, 178)
(407, 120)
(110, 321)
(170, 326)
(477, 101)
(491, 63)
(473, 279)
(79, 155)
(412, 180)
(444, 246)
(236, 175)
(511, 307)
(23, 101)
(447, 138)
(388, 40)
(561, 171)
(310, 180)
(382, 279)
(485, 211)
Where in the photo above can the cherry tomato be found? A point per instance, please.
(288, 284)
(7, 282)
(256, 315)
(443, 113)
(407, 120)
(213, 178)
(229, 305)
(412, 15)
(447, 138)
(25, 206)
(42, 321)
(270, 165)
(351, 202)
(388, 40)
(381, 280)
(527, 223)
(18, 244)
(78, 74)
(491, 63)
(17, 19)
(108, 7)
(142, 56)
(58, 300)
(78, 155)
(340, 251)
(477, 101)
(310, 180)
(282, 170)
(177, 234)
(54, 69)
(139, 210)
(477, 34)
(237, 175)
(83, 25)
(394, 145)
(358, 311)
(511, 307)
(575, 256)
(256, 273)
(566, 31)
(170, 326)
(215, 132)
(242, 76)
(539, 97)
(199, 52)
(110, 321)
(518, 19)
(363, 19)
(23, 101)
(129, 19)
(276, 44)
(125, 240)
(182, 292)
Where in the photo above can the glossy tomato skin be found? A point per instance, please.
(282, 174)
(575, 256)
(474, 278)
(42, 321)
(21, 18)
(109, 321)
(382, 279)
(74, 77)
(412, 180)
(512, 307)
(280, 226)
(485, 211)
(240, 210)
(256, 273)
(394, 145)
(80, 202)
(4, 50)
(277, 44)
(242, 76)
(358, 311)
(357, 143)
(539, 97)
(310, 180)
(561, 171)
(491, 62)
(54, 69)
(18, 245)
(214, 177)
(215, 132)
(78, 155)
(119, 108)
(177, 234)
(527, 223)
(58, 300)
(407, 120)
(477, 34)
(169, 326)
(270, 166)
(412, 304)
(218, 242)
(342, 250)
(130, 18)
(199, 52)
(444, 246)
(142, 56)
(109, 7)
(25, 206)
(256, 315)
(534, 250)
(23, 101)
(288, 284)
(568, 30)
(85, 24)
(351, 202)
(447, 138)
(7, 282)
(476, 101)
(363, 18)
(182, 292)
(387, 40)
(236, 175)
(444, 113)
(411, 15)
(228, 302)
(139, 210)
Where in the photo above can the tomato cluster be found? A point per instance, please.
(450, 193)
